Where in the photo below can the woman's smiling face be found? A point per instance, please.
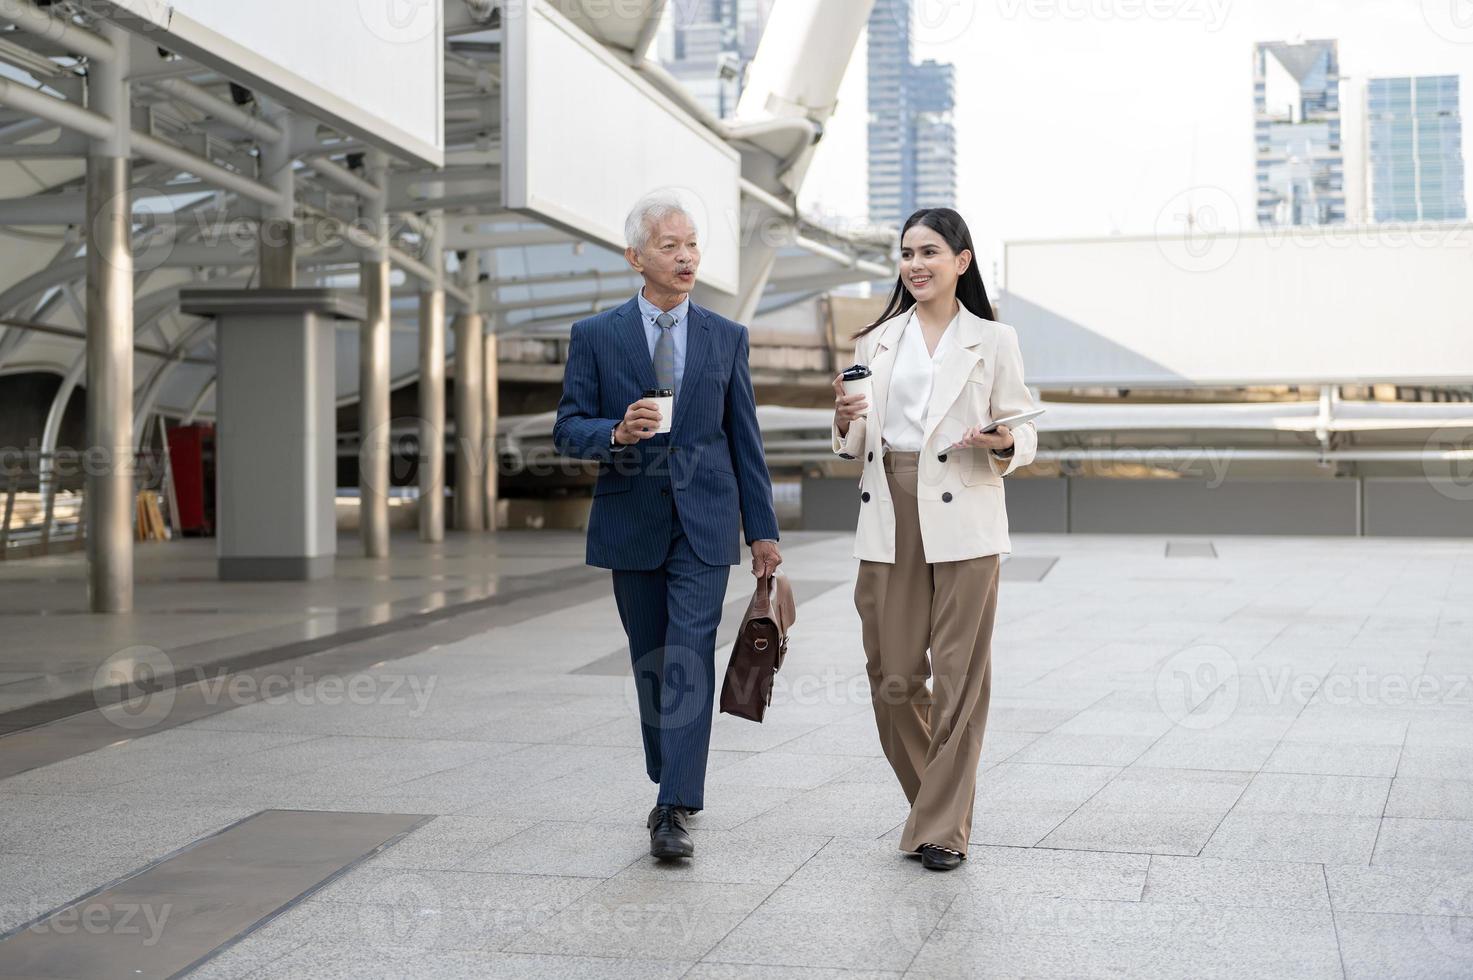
(928, 266)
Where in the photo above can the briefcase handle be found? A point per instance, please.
(766, 589)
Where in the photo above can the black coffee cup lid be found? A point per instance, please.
(659, 393)
(856, 372)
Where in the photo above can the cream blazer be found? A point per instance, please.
(962, 509)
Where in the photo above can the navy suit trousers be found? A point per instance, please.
(670, 615)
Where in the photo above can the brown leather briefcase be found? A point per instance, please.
(761, 645)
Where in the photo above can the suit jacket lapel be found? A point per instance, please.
(636, 344)
(952, 374)
(951, 378)
(882, 362)
(697, 343)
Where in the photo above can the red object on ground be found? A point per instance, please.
(192, 457)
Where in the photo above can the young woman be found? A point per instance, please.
(932, 519)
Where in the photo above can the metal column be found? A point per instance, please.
(490, 381)
(432, 391)
(373, 375)
(109, 237)
(469, 409)
(276, 245)
(490, 385)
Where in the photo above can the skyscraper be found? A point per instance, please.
(912, 141)
(708, 44)
(1301, 165)
(933, 94)
(1415, 143)
(891, 162)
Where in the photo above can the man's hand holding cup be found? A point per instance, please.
(641, 421)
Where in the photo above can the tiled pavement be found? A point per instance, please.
(1258, 764)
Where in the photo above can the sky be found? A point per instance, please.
(1081, 118)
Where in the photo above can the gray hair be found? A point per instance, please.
(649, 211)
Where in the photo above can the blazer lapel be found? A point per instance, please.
(881, 363)
(636, 345)
(697, 343)
(953, 371)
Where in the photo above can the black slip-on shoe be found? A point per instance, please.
(938, 858)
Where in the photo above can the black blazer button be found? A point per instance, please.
(871, 458)
(942, 457)
(946, 497)
(864, 496)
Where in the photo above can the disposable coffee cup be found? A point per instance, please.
(665, 398)
(857, 382)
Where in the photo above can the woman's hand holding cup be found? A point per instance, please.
(851, 397)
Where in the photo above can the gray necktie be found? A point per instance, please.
(665, 352)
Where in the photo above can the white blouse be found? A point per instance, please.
(910, 386)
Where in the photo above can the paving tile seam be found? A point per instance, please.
(1102, 850)
(517, 936)
(817, 851)
(1107, 782)
(1334, 918)
(1159, 905)
(1395, 769)
(1231, 807)
(257, 971)
(927, 938)
(775, 806)
(1402, 915)
(887, 833)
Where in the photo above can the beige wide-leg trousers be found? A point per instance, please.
(933, 738)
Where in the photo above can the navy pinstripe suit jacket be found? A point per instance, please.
(711, 462)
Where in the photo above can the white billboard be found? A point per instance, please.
(1335, 304)
(374, 68)
(584, 137)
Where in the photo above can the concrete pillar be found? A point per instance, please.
(432, 394)
(276, 402)
(469, 432)
(109, 238)
(373, 376)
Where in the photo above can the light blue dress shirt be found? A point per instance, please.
(647, 313)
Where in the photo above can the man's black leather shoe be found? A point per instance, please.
(668, 837)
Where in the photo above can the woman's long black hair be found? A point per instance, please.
(970, 291)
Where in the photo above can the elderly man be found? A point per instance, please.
(667, 504)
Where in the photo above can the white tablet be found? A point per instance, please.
(1011, 421)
